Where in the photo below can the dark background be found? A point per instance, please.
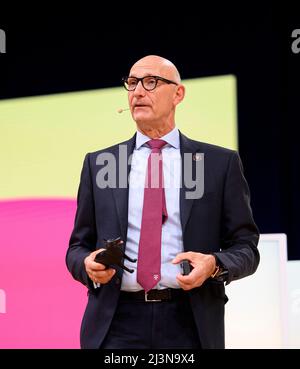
(51, 50)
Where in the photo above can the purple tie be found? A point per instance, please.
(154, 215)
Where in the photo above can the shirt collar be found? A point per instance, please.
(172, 138)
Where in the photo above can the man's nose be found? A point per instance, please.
(139, 90)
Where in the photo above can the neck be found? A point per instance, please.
(155, 132)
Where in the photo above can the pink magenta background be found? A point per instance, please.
(44, 305)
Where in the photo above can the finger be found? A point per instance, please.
(192, 280)
(97, 252)
(185, 279)
(194, 276)
(102, 276)
(183, 255)
(109, 273)
(93, 266)
(106, 278)
(106, 272)
(184, 286)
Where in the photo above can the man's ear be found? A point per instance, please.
(179, 94)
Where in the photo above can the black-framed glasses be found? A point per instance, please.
(148, 82)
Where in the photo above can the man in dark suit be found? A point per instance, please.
(201, 213)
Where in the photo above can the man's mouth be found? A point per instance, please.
(140, 105)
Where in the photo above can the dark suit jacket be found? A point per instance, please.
(220, 222)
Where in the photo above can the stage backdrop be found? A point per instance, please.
(43, 141)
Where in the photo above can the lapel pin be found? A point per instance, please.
(197, 157)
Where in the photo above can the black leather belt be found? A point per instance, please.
(167, 294)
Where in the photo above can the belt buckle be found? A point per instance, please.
(149, 300)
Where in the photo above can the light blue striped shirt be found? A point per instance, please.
(172, 243)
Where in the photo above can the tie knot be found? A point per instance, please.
(156, 144)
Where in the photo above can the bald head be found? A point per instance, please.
(153, 109)
(164, 67)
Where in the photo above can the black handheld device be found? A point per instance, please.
(113, 255)
(186, 267)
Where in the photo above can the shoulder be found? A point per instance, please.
(114, 149)
(217, 159)
(207, 148)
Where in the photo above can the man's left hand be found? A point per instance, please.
(203, 264)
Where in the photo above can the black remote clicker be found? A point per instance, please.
(186, 267)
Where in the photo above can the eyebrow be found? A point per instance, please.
(146, 75)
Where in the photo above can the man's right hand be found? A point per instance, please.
(97, 271)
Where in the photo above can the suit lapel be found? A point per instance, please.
(188, 148)
(120, 193)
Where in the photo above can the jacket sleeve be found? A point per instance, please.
(240, 235)
(83, 238)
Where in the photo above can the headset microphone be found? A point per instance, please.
(121, 110)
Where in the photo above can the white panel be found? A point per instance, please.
(256, 313)
(293, 273)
